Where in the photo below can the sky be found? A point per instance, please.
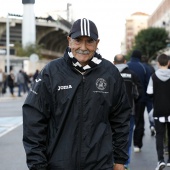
(108, 15)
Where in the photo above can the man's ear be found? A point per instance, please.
(69, 39)
(97, 41)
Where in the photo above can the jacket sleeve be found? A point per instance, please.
(36, 113)
(120, 122)
(138, 84)
(150, 88)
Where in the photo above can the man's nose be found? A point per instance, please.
(83, 45)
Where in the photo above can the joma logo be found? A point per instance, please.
(64, 87)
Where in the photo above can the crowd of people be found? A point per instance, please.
(154, 98)
(84, 112)
(20, 82)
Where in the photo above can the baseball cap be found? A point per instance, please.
(84, 27)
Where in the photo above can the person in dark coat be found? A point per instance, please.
(144, 74)
(149, 102)
(35, 74)
(76, 115)
(11, 82)
(134, 92)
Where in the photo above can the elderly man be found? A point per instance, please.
(76, 116)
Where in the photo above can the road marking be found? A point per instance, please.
(7, 124)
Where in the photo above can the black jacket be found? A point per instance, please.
(70, 119)
(133, 85)
(158, 89)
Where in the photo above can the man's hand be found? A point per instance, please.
(118, 167)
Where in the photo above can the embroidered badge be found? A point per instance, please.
(101, 84)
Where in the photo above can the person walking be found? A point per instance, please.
(76, 115)
(35, 74)
(143, 74)
(134, 91)
(2, 82)
(11, 82)
(20, 82)
(158, 88)
(149, 102)
(27, 81)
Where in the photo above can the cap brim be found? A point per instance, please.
(78, 34)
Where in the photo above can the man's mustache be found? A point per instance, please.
(82, 52)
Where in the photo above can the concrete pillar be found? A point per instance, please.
(28, 23)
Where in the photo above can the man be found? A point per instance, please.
(158, 88)
(2, 82)
(143, 74)
(76, 116)
(134, 91)
(149, 102)
(20, 82)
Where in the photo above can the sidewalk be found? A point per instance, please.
(7, 96)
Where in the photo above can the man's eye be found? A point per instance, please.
(90, 41)
(77, 39)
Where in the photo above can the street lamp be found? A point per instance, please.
(7, 45)
(68, 11)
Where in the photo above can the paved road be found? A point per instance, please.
(12, 155)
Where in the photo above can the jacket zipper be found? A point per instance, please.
(81, 124)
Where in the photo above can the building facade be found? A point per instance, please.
(134, 24)
(161, 18)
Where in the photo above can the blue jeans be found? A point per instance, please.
(132, 123)
(20, 88)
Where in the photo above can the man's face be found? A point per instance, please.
(83, 48)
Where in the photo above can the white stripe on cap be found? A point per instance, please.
(81, 27)
(85, 27)
(88, 27)
(84, 23)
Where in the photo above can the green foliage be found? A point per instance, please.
(28, 50)
(128, 55)
(150, 41)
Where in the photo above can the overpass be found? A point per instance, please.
(50, 33)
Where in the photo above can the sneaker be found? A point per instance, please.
(137, 149)
(168, 163)
(166, 150)
(160, 165)
(153, 132)
(125, 166)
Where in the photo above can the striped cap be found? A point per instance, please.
(84, 27)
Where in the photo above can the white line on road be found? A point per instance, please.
(8, 124)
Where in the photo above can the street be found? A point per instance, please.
(12, 155)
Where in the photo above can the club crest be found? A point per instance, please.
(101, 84)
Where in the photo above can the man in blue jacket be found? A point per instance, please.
(76, 116)
(144, 74)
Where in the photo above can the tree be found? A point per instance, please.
(28, 50)
(150, 41)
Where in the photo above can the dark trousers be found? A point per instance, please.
(132, 122)
(139, 124)
(160, 138)
(11, 88)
